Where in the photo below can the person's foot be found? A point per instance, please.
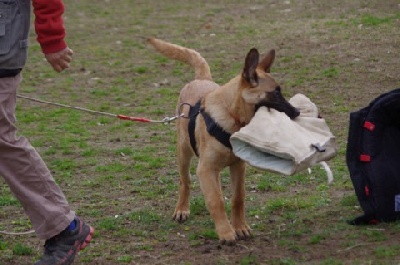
(62, 249)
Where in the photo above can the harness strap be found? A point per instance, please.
(193, 112)
(216, 131)
(212, 128)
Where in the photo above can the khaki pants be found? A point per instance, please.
(25, 172)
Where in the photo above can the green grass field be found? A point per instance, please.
(122, 176)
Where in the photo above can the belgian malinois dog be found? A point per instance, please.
(221, 111)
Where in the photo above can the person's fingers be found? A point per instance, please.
(57, 67)
(60, 66)
(60, 60)
(64, 65)
(67, 53)
(67, 58)
(70, 52)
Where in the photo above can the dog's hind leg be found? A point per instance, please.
(182, 209)
(238, 219)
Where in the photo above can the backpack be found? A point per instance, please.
(373, 158)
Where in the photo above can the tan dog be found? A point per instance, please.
(229, 107)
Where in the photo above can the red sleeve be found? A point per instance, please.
(49, 25)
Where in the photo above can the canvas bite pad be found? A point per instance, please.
(274, 142)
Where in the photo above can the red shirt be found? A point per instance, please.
(49, 25)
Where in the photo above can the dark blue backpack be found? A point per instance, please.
(373, 158)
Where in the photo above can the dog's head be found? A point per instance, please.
(259, 88)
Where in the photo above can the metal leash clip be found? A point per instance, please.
(168, 120)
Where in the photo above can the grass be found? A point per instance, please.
(21, 250)
(121, 176)
(6, 200)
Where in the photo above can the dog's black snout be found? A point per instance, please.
(292, 112)
(277, 93)
(277, 101)
(296, 113)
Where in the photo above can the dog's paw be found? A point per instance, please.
(243, 232)
(180, 216)
(227, 242)
(241, 228)
(227, 237)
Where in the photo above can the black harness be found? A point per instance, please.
(212, 127)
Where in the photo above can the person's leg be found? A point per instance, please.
(32, 183)
(26, 173)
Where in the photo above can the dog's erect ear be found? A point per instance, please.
(249, 72)
(267, 61)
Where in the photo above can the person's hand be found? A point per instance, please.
(60, 60)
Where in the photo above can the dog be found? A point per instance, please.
(210, 113)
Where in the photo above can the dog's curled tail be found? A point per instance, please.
(185, 55)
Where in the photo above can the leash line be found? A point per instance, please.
(17, 233)
(166, 120)
(66, 106)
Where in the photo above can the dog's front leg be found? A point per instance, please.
(238, 219)
(210, 186)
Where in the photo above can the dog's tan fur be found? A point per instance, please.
(232, 106)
